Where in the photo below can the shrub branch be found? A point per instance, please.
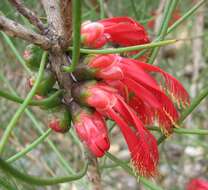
(29, 14)
(15, 29)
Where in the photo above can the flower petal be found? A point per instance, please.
(142, 146)
(174, 87)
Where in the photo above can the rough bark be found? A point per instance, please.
(55, 22)
(15, 29)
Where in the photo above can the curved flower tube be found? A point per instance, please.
(141, 143)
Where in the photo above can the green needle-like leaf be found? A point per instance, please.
(39, 180)
(171, 5)
(126, 49)
(76, 19)
(29, 147)
(22, 108)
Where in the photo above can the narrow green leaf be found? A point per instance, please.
(187, 15)
(126, 49)
(102, 11)
(16, 53)
(38, 126)
(171, 5)
(23, 106)
(45, 102)
(76, 21)
(39, 180)
(29, 147)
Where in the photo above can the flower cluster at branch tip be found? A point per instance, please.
(197, 184)
(123, 90)
(115, 87)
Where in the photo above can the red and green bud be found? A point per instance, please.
(46, 84)
(32, 56)
(91, 129)
(92, 34)
(60, 120)
(91, 93)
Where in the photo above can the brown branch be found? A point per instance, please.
(66, 14)
(58, 60)
(59, 16)
(15, 29)
(55, 22)
(30, 15)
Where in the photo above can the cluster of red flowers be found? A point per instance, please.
(113, 87)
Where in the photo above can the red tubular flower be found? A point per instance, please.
(91, 129)
(123, 31)
(141, 143)
(197, 184)
(144, 93)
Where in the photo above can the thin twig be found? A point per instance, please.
(15, 29)
(30, 15)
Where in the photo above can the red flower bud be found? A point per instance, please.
(92, 34)
(92, 130)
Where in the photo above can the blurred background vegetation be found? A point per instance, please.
(182, 157)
